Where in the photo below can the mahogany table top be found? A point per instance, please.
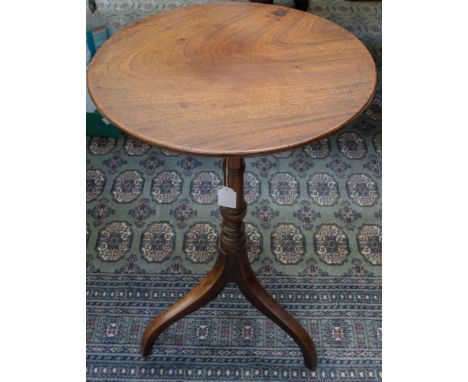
(231, 79)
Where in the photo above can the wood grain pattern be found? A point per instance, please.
(231, 79)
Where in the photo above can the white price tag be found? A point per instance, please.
(226, 197)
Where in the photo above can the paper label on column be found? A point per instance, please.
(226, 197)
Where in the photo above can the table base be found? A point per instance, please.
(232, 265)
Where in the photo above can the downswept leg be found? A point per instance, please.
(233, 244)
(263, 301)
(199, 296)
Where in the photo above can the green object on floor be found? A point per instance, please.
(96, 127)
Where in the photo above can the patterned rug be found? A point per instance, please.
(314, 239)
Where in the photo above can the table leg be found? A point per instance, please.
(232, 264)
(199, 296)
(265, 303)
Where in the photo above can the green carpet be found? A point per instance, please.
(314, 239)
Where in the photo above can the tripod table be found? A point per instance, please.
(231, 80)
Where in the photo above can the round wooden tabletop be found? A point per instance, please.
(231, 79)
